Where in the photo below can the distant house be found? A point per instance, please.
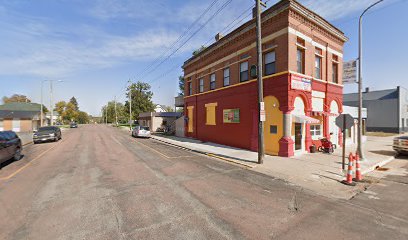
(387, 110)
(159, 121)
(20, 117)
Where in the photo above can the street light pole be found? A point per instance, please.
(360, 81)
(116, 114)
(130, 105)
(42, 103)
(261, 146)
(51, 108)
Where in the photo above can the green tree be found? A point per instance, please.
(109, 110)
(83, 117)
(70, 113)
(16, 98)
(181, 85)
(75, 103)
(60, 107)
(141, 99)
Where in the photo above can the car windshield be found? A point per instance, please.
(44, 129)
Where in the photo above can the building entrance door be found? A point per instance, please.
(298, 136)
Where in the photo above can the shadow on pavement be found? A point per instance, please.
(10, 161)
(384, 152)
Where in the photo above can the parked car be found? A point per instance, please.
(401, 145)
(73, 125)
(10, 146)
(46, 134)
(140, 131)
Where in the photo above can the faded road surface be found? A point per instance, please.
(99, 183)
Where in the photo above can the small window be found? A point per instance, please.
(273, 129)
(318, 67)
(335, 68)
(226, 77)
(201, 85)
(270, 66)
(300, 60)
(212, 81)
(315, 130)
(243, 71)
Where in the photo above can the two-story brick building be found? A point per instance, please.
(302, 65)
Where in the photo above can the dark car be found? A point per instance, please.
(400, 145)
(73, 125)
(10, 146)
(46, 134)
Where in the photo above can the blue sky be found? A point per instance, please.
(96, 46)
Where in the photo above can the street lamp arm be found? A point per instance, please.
(372, 5)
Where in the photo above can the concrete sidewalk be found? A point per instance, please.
(318, 172)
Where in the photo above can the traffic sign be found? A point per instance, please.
(344, 121)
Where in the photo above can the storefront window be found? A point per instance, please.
(316, 130)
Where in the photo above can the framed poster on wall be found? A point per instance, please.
(231, 115)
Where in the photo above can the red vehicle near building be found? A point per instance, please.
(302, 65)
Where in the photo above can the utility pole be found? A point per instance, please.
(51, 108)
(360, 82)
(106, 114)
(130, 105)
(116, 114)
(42, 103)
(261, 117)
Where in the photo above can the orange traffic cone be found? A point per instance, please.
(359, 177)
(349, 178)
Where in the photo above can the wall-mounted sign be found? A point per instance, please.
(299, 83)
(350, 72)
(231, 115)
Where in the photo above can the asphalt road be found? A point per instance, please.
(99, 183)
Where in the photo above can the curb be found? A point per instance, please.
(27, 143)
(380, 164)
(204, 153)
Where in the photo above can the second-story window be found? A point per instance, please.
(190, 88)
(270, 66)
(201, 85)
(300, 60)
(243, 71)
(318, 67)
(212, 81)
(335, 69)
(226, 77)
(300, 55)
(318, 63)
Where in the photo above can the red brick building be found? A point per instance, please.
(302, 68)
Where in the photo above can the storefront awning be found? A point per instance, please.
(304, 119)
(320, 113)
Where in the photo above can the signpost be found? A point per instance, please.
(350, 72)
(344, 122)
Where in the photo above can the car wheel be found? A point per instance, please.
(17, 154)
(320, 149)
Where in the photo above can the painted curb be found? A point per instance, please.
(204, 153)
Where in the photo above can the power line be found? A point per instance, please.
(175, 42)
(188, 39)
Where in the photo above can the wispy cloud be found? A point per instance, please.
(335, 9)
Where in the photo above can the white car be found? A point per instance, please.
(401, 145)
(141, 131)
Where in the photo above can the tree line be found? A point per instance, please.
(141, 100)
(69, 112)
